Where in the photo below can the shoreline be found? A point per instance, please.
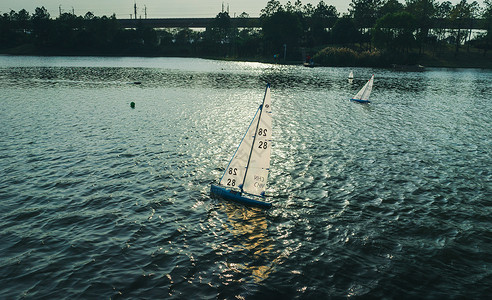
(446, 60)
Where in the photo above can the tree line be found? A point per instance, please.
(371, 32)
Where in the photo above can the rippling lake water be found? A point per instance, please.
(98, 200)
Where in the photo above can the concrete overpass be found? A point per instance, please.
(255, 22)
(186, 22)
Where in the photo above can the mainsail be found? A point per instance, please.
(259, 161)
(365, 92)
(248, 168)
(235, 171)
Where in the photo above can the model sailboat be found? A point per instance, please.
(364, 93)
(244, 179)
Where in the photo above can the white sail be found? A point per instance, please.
(235, 171)
(248, 169)
(365, 91)
(259, 164)
(351, 75)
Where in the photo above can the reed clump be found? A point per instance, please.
(346, 57)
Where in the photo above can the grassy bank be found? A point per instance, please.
(446, 57)
(462, 59)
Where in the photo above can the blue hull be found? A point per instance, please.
(360, 101)
(236, 197)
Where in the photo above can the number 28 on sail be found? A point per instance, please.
(244, 180)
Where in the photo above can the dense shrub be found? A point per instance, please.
(346, 57)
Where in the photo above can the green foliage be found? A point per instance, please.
(345, 57)
(273, 7)
(345, 32)
(71, 34)
(365, 12)
(390, 7)
(485, 40)
(322, 17)
(219, 31)
(281, 28)
(395, 31)
(422, 11)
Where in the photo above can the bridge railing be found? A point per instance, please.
(186, 22)
(255, 22)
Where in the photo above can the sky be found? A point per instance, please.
(158, 8)
(155, 8)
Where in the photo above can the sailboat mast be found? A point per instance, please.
(254, 138)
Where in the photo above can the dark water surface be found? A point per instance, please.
(98, 200)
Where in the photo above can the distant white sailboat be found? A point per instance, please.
(351, 75)
(363, 95)
(246, 175)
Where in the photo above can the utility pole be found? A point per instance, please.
(135, 9)
(59, 9)
(145, 9)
